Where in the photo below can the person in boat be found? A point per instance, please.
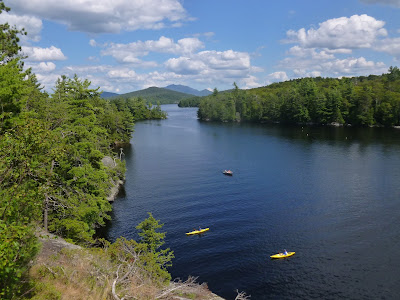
(285, 252)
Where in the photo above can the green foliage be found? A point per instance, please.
(360, 101)
(190, 102)
(9, 47)
(51, 170)
(18, 245)
(138, 108)
(155, 260)
(51, 151)
(149, 235)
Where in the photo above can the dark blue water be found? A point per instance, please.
(330, 194)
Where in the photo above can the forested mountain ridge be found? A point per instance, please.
(188, 90)
(156, 95)
(106, 95)
(359, 101)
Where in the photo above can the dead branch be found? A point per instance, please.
(242, 296)
(190, 283)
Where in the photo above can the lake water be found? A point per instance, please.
(330, 194)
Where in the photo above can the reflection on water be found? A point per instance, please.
(330, 194)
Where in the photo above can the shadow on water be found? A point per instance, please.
(364, 136)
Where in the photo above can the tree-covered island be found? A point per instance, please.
(357, 101)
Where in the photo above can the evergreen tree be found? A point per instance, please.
(155, 260)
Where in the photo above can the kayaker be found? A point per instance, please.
(285, 252)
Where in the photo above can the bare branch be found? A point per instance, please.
(241, 296)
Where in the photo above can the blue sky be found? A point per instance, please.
(127, 45)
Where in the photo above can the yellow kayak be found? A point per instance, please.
(197, 231)
(282, 255)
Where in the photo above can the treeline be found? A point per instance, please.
(190, 102)
(156, 95)
(359, 101)
(52, 169)
(139, 108)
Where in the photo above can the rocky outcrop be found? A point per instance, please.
(114, 190)
(109, 162)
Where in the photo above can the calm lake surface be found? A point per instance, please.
(330, 194)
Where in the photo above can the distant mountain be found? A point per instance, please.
(108, 95)
(155, 94)
(188, 90)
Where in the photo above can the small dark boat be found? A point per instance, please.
(228, 172)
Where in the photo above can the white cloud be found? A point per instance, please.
(390, 45)
(225, 60)
(185, 65)
(308, 67)
(310, 53)
(42, 67)
(92, 43)
(338, 51)
(278, 76)
(317, 49)
(32, 25)
(250, 82)
(395, 3)
(353, 66)
(45, 67)
(230, 64)
(47, 80)
(43, 54)
(122, 73)
(104, 16)
(129, 53)
(304, 73)
(85, 70)
(358, 31)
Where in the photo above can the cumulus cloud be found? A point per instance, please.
(390, 45)
(358, 31)
(32, 25)
(278, 76)
(45, 67)
(302, 73)
(395, 3)
(129, 53)
(230, 62)
(104, 16)
(350, 66)
(310, 53)
(122, 73)
(250, 82)
(185, 65)
(353, 66)
(42, 67)
(43, 54)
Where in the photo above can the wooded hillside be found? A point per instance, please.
(359, 101)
